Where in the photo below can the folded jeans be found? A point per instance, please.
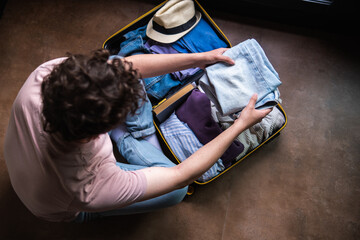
(251, 73)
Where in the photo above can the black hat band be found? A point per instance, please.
(174, 30)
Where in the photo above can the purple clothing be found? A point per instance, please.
(161, 48)
(196, 112)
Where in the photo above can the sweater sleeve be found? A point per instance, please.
(110, 188)
(101, 185)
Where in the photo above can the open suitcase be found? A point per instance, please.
(163, 107)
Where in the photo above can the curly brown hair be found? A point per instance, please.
(85, 96)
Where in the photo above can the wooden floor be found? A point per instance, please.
(303, 185)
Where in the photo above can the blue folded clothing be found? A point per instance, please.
(231, 87)
(202, 38)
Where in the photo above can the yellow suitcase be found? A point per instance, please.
(164, 107)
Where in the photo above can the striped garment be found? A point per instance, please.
(184, 143)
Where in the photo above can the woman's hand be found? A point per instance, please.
(250, 116)
(215, 56)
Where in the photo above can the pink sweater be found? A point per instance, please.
(55, 179)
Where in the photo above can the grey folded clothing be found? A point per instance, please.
(255, 135)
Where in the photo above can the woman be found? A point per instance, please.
(59, 153)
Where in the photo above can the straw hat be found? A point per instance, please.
(175, 19)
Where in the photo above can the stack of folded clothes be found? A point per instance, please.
(197, 121)
(222, 93)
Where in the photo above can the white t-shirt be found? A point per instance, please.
(55, 179)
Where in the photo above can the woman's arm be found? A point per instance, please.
(150, 65)
(163, 180)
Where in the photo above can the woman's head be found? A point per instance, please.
(85, 96)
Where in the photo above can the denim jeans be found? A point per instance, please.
(230, 87)
(141, 123)
(134, 44)
(139, 154)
